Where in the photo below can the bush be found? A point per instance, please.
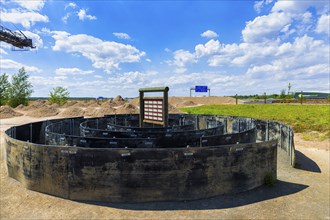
(4, 86)
(59, 96)
(20, 89)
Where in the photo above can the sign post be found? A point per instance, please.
(201, 89)
(154, 110)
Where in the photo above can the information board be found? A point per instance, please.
(200, 88)
(153, 109)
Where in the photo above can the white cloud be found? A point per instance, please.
(107, 55)
(25, 18)
(82, 14)
(2, 51)
(35, 5)
(266, 27)
(258, 5)
(209, 34)
(36, 39)
(70, 5)
(211, 47)
(167, 50)
(11, 64)
(66, 17)
(323, 25)
(72, 71)
(148, 60)
(181, 58)
(122, 35)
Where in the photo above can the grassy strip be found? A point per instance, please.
(302, 118)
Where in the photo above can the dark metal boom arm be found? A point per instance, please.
(17, 39)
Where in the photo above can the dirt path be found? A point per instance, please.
(299, 194)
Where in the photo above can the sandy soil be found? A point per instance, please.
(301, 193)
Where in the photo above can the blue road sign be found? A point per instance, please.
(200, 88)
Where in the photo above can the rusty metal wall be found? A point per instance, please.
(147, 174)
(139, 175)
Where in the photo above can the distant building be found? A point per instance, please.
(312, 95)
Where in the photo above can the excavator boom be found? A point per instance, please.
(17, 39)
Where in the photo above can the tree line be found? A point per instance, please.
(19, 90)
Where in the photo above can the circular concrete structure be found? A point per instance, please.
(112, 159)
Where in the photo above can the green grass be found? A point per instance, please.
(302, 118)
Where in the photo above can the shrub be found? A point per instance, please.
(20, 89)
(59, 96)
(4, 86)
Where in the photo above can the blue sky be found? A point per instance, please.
(110, 48)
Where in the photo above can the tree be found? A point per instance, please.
(20, 89)
(282, 96)
(289, 88)
(4, 86)
(59, 95)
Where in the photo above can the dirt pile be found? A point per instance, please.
(73, 111)
(42, 111)
(104, 111)
(189, 103)
(108, 104)
(8, 112)
(127, 108)
(118, 101)
(173, 110)
(69, 103)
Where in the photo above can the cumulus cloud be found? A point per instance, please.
(323, 25)
(36, 39)
(107, 55)
(209, 34)
(11, 64)
(122, 35)
(35, 5)
(70, 5)
(2, 51)
(25, 18)
(266, 27)
(181, 58)
(72, 71)
(82, 15)
(258, 5)
(211, 47)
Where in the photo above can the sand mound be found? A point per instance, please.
(69, 103)
(109, 104)
(173, 110)
(118, 99)
(8, 112)
(73, 112)
(90, 112)
(127, 109)
(93, 104)
(104, 111)
(20, 107)
(189, 103)
(43, 111)
(34, 105)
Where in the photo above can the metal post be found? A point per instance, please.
(209, 92)
(236, 98)
(267, 131)
(165, 108)
(265, 97)
(301, 97)
(141, 109)
(31, 132)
